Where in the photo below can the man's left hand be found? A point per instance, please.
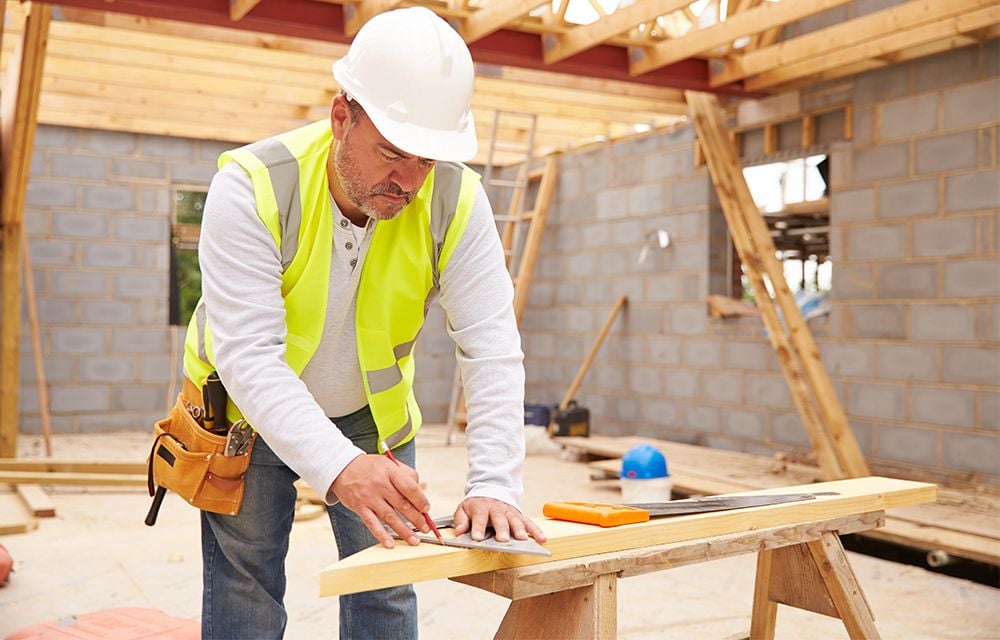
(477, 513)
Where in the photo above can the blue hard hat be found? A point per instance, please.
(643, 462)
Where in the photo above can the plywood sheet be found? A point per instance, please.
(377, 567)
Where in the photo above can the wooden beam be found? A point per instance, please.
(495, 15)
(559, 46)
(239, 8)
(737, 206)
(756, 248)
(846, 34)
(535, 580)
(378, 567)
(955, 25)
(912, 53)
(14, 515)
(65, 465)
(78, 479)
(356, 14)
(18, 119)
(38, 503)
(698, 42)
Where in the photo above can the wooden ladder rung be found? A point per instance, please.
(498, 182)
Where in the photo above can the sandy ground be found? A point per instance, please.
(97, 554)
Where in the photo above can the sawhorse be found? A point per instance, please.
(802, 565)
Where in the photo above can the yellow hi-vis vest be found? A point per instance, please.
(399, 279)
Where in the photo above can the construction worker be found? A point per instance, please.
(321, 250)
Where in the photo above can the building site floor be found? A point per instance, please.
(97, 554)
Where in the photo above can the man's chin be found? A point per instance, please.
(384, 207)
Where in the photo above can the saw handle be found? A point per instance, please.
(603, 515)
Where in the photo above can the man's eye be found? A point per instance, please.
(389, 157)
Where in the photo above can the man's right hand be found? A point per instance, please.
(379, 490)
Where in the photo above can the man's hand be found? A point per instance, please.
(378, 490)
(477, 513)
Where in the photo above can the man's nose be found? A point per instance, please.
(410, 175)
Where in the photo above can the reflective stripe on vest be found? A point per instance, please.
(409, 251)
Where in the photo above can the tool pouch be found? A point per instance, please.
(189, 461)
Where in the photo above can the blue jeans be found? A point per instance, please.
(244, 555)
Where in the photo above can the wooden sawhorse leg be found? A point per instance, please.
(815, 576)
(575, 614)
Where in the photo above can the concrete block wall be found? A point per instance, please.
(98, 215)
(914, 208)
(912, 345)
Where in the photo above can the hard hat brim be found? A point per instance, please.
(434, 144)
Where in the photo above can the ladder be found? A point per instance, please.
(520, 230)
(837, 451)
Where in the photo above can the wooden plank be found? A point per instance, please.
(66, 465)
(549, 577)
(495, 15)
(356, 14)
(592, 354)
(239, 8)
(912, 53)
(845, 34)
(14, 515)
(956, 543)
(890, 43)
(38, 503)
(18, 119)
(764, 614)
(766, 16)
(78, 479)
(536, 229)
(41, 384)
(558, 47)
(746, 223)
(378, 567)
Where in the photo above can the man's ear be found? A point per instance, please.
(340, 116)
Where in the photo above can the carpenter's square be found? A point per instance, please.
(490, 543)
(612, 515)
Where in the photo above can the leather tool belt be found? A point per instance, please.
(192, 461)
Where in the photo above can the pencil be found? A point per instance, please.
(427, 518)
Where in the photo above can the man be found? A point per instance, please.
(321, 250)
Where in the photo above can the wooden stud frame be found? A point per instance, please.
(19, 107)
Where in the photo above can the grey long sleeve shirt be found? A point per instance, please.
(241, 289)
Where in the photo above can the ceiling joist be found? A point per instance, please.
(356, 14)
(239, 8)
(495, 15)
(558, 47)
(845, 34)
(958, 24)
(701, 41)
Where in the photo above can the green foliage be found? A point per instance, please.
(189, 205)
(188, 275)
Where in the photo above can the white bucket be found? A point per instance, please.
(646, 490)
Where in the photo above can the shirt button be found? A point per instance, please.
(343, 223)
(354, 263)
(349, 246)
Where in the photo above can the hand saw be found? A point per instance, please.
(465, 541)
(613, 515)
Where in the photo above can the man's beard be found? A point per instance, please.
(364, 197)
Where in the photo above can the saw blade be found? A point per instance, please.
(720, 503)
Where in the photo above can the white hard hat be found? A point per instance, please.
(413, 75)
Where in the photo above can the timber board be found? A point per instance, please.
(377, 567)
